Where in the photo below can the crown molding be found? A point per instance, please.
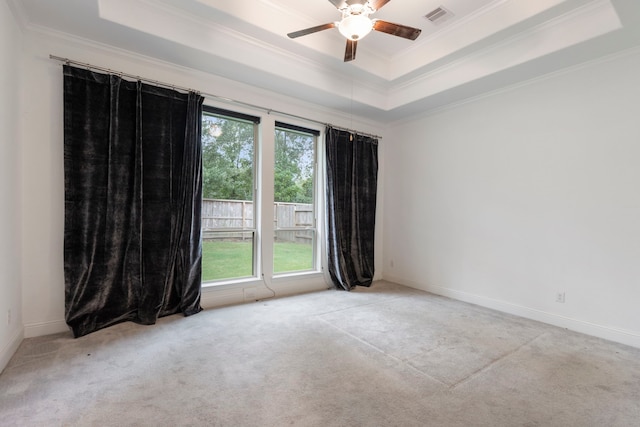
(582, 24)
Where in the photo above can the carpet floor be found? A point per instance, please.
(383, 356)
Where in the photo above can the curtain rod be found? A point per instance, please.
(207, 95)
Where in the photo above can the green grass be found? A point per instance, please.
(232, 259)
(288, 256)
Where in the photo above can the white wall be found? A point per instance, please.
(509, 199)
(10, 292)
(42, 166)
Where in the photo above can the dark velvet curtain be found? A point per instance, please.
(352, 175)
(132, 161)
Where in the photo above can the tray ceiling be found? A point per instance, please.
(480, 46)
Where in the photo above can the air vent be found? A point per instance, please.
(439, 15)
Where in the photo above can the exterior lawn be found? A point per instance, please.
(232, 259)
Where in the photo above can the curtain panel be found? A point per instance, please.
(352, 174)
(133, 187)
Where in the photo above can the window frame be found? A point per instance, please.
(265, 283)
(316, 264)
(255, 266)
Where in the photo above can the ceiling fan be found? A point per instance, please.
(355, 24)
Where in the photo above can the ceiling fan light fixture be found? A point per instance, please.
(355, 27)
(356, 24)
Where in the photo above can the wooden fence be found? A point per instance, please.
(293, 215)
(217, 214)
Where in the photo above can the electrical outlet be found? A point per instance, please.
(391, 263)
(9, 317)
(560, 297)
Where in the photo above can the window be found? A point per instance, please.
(228, 195)
(294, 199)
(259, 201)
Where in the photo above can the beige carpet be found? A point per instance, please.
(384, 356)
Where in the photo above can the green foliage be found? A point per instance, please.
(228, 156)
(294, 157)
(227, 159)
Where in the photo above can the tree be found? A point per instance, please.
(227, 159)
(293, 174)
(228, 156)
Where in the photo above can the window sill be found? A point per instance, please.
(217, 294)
(297, 275)
(233, 283)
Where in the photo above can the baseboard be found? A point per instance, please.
(39, 329)
(626, 337)
(9, 350)
(214, 296)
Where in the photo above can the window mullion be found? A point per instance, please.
(266, 161)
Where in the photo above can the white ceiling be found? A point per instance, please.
(484, 45)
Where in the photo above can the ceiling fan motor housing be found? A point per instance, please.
(356, 24)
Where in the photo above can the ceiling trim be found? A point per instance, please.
(480, 51)
(583, 23)
(599, 17)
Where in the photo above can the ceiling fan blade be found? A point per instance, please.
(339, 3)
(377, 4)
(396, 29)
(350, 51)
(311, 30)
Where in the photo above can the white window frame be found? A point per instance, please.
(264, 283)
(232, 115)
(316, 264)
